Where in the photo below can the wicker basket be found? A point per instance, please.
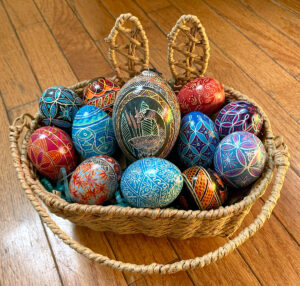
(127, 59)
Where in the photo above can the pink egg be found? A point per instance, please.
(50, 149)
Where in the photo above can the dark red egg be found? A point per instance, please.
(202, 94)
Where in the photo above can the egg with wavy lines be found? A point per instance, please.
(240, 159)
(151, 183)
(92, 132)
(239, 116)
(95, 180)
(50, 149)
(198, 139)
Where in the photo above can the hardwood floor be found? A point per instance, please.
(255, 48)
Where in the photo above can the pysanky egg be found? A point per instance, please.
(101, 92)
(204, 189)
(240, 159)
(58, 106)
(95, 180)
(50, 149)
(198, 139)
(92, 132)
(202, 94)
(239, 116)
(151, 183)
(146, 117)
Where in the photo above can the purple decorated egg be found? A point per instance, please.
(240, 159)
(239, 116)
(95, 180)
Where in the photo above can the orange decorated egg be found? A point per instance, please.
(50, 149)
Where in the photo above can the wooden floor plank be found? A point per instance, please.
(17, 85)
(291, 5)
(24, 251)
(286, 22)
(268, 74)
(223, 69)
(286, 53)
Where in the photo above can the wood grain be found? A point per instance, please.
(17, 85)
(268, 74)
(278, 17)
(291, 5)
(261, 33)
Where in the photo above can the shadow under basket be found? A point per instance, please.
(190, 57)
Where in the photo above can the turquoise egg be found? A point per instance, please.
(92, 132)
(151, 183)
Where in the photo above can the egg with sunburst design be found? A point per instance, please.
(146, 117)
(198, 139)
(95, 180)
(92, 132)
(240, 159)
(58, 106)
(50, 149)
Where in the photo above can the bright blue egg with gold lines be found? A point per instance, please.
(92, 132)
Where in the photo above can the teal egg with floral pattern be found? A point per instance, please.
(151, 183)
(92, 132)
(198, 140)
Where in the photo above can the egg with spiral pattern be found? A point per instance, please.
(202, 94)
(58, 106)
(92, 132)
(50, 149)
(102, 93)
(240, 159)
(198, 139)
(95, 180)
(146, 117)
(151, 183)
(239, 116)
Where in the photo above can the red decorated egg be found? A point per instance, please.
(102, 93)
(204, 189)
(95, 180)
(202, 94)
(50, 149)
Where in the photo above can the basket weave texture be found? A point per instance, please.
(185, 64)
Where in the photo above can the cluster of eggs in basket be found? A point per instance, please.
(143, 119)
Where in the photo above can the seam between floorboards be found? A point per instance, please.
(285, 8)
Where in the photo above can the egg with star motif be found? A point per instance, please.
(58, 106)
(198, 139)
(92, 132)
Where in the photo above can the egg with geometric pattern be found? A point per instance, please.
(92, 132)
(240, 159)
(198, 139)
(58, 106)
(50, 149)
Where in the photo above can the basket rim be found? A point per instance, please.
(55, 202)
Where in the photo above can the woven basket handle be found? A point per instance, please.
(133, 55)
(281, 161)
(186, 62)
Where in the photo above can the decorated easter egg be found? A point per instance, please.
(202, 94)
(204, 189)
(240, 159)
(198, 139)
(239, 116)
(146, 117)
(50, 149)
(151, 183)
(95, 180)
(102, 93)
(92, 132)
(58, 106)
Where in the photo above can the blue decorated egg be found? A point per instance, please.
(95, 180)
(240, 159)
(198, 139)
(92, 132)
(151, 183)
(58, 106)
(239, 116)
